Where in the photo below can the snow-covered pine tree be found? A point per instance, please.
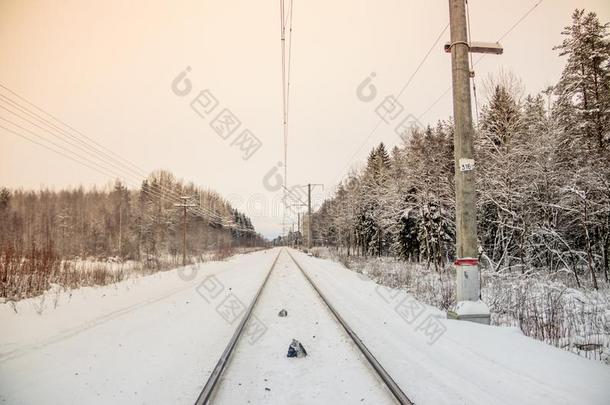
(584, 87)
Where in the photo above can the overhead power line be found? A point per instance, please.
(503, 36)
(56, 131)
(286, 20)
(81, 149)
(71, 128)
(399, 94)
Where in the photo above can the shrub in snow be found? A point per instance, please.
(544, 307)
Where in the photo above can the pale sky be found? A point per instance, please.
(106, 68)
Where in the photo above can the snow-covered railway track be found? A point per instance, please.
(212, 382)
(216, 388)
(394, 388)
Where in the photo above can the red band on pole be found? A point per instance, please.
(467, 261)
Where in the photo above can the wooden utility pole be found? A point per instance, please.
(466, 264)
(184, 205)
(309, 235)
(309, 218)
(121, 227)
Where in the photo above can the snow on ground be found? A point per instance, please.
(155, 339)
(334, 371)
(544, 306)
(151, 339)
(440, 361)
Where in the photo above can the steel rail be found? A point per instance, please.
(394, 388)
(214, 378)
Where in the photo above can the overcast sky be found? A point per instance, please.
(106, 68)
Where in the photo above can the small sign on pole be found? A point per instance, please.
(466, 164)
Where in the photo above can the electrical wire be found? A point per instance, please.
(103, 160)
(285, 20)
(504, 35)
(402, 90)
(63, 132)
(100, 168)
(68, 126)
(472, 77)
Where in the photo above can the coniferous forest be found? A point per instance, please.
(543, 164)
(543, 203)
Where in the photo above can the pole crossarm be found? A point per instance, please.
(309, 186)
(477, 47)
(293, 195)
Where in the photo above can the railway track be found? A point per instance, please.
(214, 381)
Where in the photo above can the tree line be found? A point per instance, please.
(543, 177)
(142, 224)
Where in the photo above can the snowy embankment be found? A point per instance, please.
(442, 361)
(155, 339)
(546, 307)
(150, 339)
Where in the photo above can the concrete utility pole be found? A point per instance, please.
(308, 205)
(184, 205)
(468, 306)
